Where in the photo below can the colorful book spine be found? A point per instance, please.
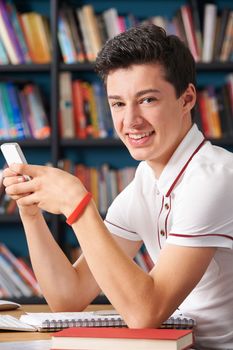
(16, 112)
(3, 55)
(14, 18)
(65, 40)
(8, 111)
(9, 37)
(37, 111)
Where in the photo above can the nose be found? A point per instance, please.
(132, 116)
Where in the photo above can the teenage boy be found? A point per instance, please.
(179, 203)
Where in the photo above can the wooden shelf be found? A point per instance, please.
(100, 299)
(111, 142)
(201, 66)
(30, 142)
(27, 67)
(215, 66)
(226, 141)
(15, 218)
(9, 218)
(86, 66)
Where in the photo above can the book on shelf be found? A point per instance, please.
(14, 109)
(16, 284)
(197, 24)
(85, 35)
(111, 22)
(122, 338)
(220, 32)
(22, 268)
(187, 18)
(210, 15)
(22, 112)
(214, 110)
(3, 55)
(82, 31)
(84, 111)
(75, 32)
(16, 277)
(14, 19)
(66, 110)
(227, 46)
(37, 36)
(8, 36)
(7, 110)
(65, 38)
(91, 25)
(79, 113)
(38, 117)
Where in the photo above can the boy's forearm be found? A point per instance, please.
(124, 283)
(56, 276)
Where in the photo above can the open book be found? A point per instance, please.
(45, 322)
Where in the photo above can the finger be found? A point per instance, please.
(20, 188)
(7, 172)
(17, 197)
(8, 181)
(26, 169)
(27, 200)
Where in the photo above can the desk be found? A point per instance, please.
(12, 336)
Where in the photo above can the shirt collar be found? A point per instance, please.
(180, 159)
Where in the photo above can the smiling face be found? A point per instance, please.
(147, 115)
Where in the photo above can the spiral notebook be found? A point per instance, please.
(104, 318)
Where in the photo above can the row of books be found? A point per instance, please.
(22, 112)
(16, 276)
(24, 37)
(215, 110)
(84, 109)
(206, 31)
(103, 182)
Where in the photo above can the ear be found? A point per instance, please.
(189, 98)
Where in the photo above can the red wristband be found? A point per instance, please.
(79, 209)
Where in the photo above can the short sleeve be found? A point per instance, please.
(119, 218)
(203, 215)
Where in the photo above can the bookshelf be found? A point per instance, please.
(90, 151)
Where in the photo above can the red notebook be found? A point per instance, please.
(122, 338)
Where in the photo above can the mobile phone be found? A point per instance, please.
(13, 153)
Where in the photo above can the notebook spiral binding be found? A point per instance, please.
(60, 324)
(179, 323)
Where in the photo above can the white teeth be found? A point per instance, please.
(140, 136)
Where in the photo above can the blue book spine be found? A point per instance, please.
(64, 41)
(16, 112)
(11, 32)
(13, 16)
(3, 55)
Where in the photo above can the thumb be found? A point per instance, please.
(24, 169)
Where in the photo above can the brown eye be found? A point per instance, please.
(148, 100)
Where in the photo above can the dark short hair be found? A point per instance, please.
(149, 43)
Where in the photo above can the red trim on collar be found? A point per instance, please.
(184, 167)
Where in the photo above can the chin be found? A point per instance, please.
(137, 156)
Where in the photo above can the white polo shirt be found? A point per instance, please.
(190, 205)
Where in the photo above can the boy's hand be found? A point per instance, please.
(50, 189)
(11, 178)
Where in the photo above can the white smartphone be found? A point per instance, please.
(13, 153)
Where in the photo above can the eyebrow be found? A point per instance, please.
(138, 94)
